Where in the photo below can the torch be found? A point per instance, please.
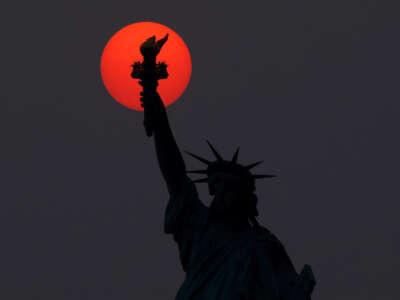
(149, 71)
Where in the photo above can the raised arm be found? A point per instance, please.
(156, 122)
(168, 155)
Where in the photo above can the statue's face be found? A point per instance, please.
(231, 194)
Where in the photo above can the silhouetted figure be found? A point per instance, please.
(225, 253)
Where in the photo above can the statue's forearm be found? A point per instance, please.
(169, 157)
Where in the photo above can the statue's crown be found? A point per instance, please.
(226, 167)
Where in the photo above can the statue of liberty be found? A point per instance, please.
(225, 253)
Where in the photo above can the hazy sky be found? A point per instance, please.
(310, 87)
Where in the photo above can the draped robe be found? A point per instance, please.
(221, 263)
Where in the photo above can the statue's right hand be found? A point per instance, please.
(154, 111)
(147, 119)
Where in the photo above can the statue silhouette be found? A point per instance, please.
(224, 251)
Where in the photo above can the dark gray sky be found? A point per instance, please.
(311, 87)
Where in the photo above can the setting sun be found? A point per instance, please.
(122, 50)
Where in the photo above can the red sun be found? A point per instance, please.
(122, 50)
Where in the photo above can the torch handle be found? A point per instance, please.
(149, 72)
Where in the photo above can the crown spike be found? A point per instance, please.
(217, 155)
(262, 176)
(235, 156)
(201, 180)
(251, 166)
(203, 160)
(197, 171)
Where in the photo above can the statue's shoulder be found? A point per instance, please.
(263, 235)
(268, 243)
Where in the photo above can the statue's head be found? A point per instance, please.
(231, 184)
